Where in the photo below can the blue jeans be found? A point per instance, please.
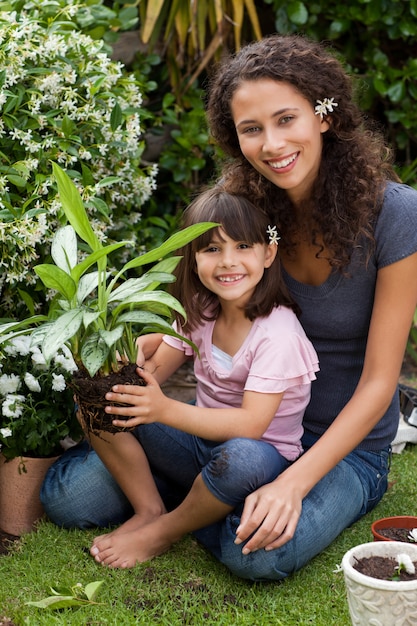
(78, 491)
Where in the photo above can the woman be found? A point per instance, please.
(283, 110)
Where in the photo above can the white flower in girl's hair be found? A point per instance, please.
(273, 235)
(325, 106)
(405, 564)
(412, 535)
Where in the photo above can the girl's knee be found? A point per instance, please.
(235, 455)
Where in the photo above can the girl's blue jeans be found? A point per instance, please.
(78, 491)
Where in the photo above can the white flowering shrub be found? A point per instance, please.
(36, 407)
(62, 99)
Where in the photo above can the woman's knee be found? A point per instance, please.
(79, 492)
(330, 507)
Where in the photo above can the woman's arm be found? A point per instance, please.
(164, 361)
(146, 346)
(275, 508)
(149, 404)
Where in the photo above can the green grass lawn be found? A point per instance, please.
(187, 586)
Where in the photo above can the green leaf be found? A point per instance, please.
(58, 602)
(74, 209)
(143, 317)
(94, 257)
(64, 248)
(55, 278)
(176, 241)
(396, 92)
(166, 265)
(109, 180)
(146, 298)
(61, 590)
(92, 589)
(297, 12)
(89, 317)
(134, 285)
(16, 180)
(60, 331)
(111, 337)
(116, 116)
(87, 284)
(6, 329)
(94, 353)
(67, 126)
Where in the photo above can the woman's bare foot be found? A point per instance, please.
(124, 550)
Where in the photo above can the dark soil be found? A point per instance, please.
(383, 568)
(396, 534)
(91, 392)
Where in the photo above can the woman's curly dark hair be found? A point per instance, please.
(355, 165)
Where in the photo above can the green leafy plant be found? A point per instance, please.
(100, 313)
(68, 597)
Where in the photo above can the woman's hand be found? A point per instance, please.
(145, 403)
(271, 514)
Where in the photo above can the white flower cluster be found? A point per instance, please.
(32, 392)
(63, 99)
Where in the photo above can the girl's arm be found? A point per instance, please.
(274, 509)
(149, 404)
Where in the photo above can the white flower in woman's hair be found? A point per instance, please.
(405, 564)
(325, 106)
(273, 235)
(5, 432)
(412, 535)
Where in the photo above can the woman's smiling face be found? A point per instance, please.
(279, 134)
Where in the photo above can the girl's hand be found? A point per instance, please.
(146, 403)
(271, 514)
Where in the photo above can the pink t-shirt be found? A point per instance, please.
(275, 357)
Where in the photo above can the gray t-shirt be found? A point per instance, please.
(336, 317)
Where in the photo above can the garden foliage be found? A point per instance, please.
(62, 99)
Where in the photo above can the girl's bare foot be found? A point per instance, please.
(133, 523)
(126, 549)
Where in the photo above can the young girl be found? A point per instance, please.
(254, 369)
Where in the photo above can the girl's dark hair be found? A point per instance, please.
(355, 165)
(241, 221)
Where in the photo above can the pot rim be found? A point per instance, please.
(379, 548)
(394, 518)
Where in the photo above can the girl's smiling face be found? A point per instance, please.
(279, 134)
(232, 269)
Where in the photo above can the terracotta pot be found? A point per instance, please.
(399, 521)
(20, 506)
(380, 602)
